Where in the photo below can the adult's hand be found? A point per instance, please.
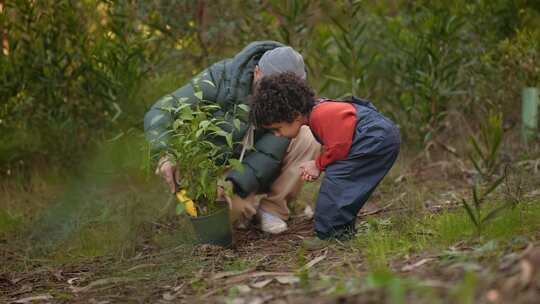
(168, 171)
(310, 172)
(242, 209)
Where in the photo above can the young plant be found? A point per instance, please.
(485, 158)
(202, 151)
(478, 216)
(486, 148)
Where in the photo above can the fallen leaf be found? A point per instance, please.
(179, 287)
(313, 262)
(227, 274)
(33, 299)
(416, 265)
(399, 179)
(94, 301)
(261, 284)
(72, 280)
(140, 266)
(100, 282)
(169, 296)
(287, 279)
(243, 288)
(17, 280)
(243, 277)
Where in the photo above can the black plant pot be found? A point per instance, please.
(214, 228)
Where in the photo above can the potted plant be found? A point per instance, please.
(202, 151)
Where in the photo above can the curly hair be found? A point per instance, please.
(280, 98)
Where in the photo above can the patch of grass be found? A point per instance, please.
(302, 272)
(524, 220)
(448, 227)
(238, 264)
(382, 240)
(453, 226)
(8, 222)
(379, 247)
(379, 240)
(387, 286)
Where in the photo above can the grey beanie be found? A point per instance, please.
(282, 59)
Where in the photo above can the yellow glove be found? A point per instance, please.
(189, 204)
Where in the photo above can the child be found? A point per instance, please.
(360, 146)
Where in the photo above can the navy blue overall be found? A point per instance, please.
(348, 183)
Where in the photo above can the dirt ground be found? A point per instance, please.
(263, 268)
(271, 276)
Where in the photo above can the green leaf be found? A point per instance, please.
(477, 165)
(494, 185)
(476, 198)
(237, 123)
(204, 178)
(338, 79)
(228, 137)
(177, 124)
(210, 107)
(221, 133)
(493, 214)
(186, 114)
(244, 107)
(198, 95)
(180, 208)
(204, 124)
(470, 212)
(199, 133)
(236, 165)
(477, 148)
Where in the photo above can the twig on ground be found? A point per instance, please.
(385, 208)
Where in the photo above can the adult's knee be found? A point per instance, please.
(304, 143)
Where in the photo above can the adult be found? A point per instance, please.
(270, 178)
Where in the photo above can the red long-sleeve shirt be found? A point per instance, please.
(333, 123)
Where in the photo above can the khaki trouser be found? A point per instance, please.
(287, 185)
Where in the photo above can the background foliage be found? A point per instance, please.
(76, 78)
(74, 73)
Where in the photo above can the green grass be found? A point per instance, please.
(382, 240)
(238, 264)
(8, 221)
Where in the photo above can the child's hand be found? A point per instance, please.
(310, 172)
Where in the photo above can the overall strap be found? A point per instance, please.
(354, 100)
(363, 103)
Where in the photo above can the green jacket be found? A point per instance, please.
(232, 82)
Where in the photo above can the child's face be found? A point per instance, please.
(285, 129)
